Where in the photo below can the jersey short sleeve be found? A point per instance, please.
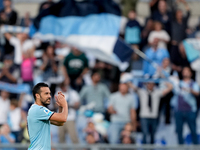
(43, 113)
(195, 87)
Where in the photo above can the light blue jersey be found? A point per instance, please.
(39, 127)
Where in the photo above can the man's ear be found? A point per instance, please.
(37, 95)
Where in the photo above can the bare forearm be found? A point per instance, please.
(153, 2)
(84, 72)
(57, 123)
(111, 110)
(8, 36)
(133, 119)
(186, 6)
(64, 112)
(131, 85)
(64, 70)
(43, 66)
(75, 106)
(10, 77)
(59, 109)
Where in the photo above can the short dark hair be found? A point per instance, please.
(94, 72)
(14, 102)
(36, 88)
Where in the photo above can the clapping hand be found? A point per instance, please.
(60, 99)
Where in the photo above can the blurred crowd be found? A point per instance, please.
(104, 105)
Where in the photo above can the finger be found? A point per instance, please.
(57, 103)
(56, 98)
(61, 94)
(60, 97)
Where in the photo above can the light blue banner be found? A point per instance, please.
(15, 88)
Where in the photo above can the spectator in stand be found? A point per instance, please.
(96, 93)
(9, 72)
(163, 15)
(21, 45)
(50, 64)
(7, 14)
(75, 66)
(164, 71)
(122, 109)
(90, 139)
(132, 31)
(14, 119)
(179, 59)
(45, 5)
(73, 101)
(195, 64)
(155, 54)
(26, 21)
(153, 6)
(149, 107)
(184, 104)
(127, 134)
(5, 136)
(160, 34)
(105, 71)
(4, 107)
(127, 140)
(145, 33)
(179, 24)
(27, 68)
(90, 129)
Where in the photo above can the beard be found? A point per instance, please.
(45, 102)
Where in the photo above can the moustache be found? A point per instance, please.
(48, 99)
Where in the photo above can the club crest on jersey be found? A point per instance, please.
(46, 111)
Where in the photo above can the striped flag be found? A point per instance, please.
(92, 26)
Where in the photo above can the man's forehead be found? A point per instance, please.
(44, 89)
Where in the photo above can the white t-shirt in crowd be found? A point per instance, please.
(144, 99)
(27, 45)
(72, 97)
(161, 35)
(4, 110)
(15, 119)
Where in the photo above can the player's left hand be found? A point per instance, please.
(56, 98)
(61, 94)
(60, 99)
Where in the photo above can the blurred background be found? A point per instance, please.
(129, 69)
